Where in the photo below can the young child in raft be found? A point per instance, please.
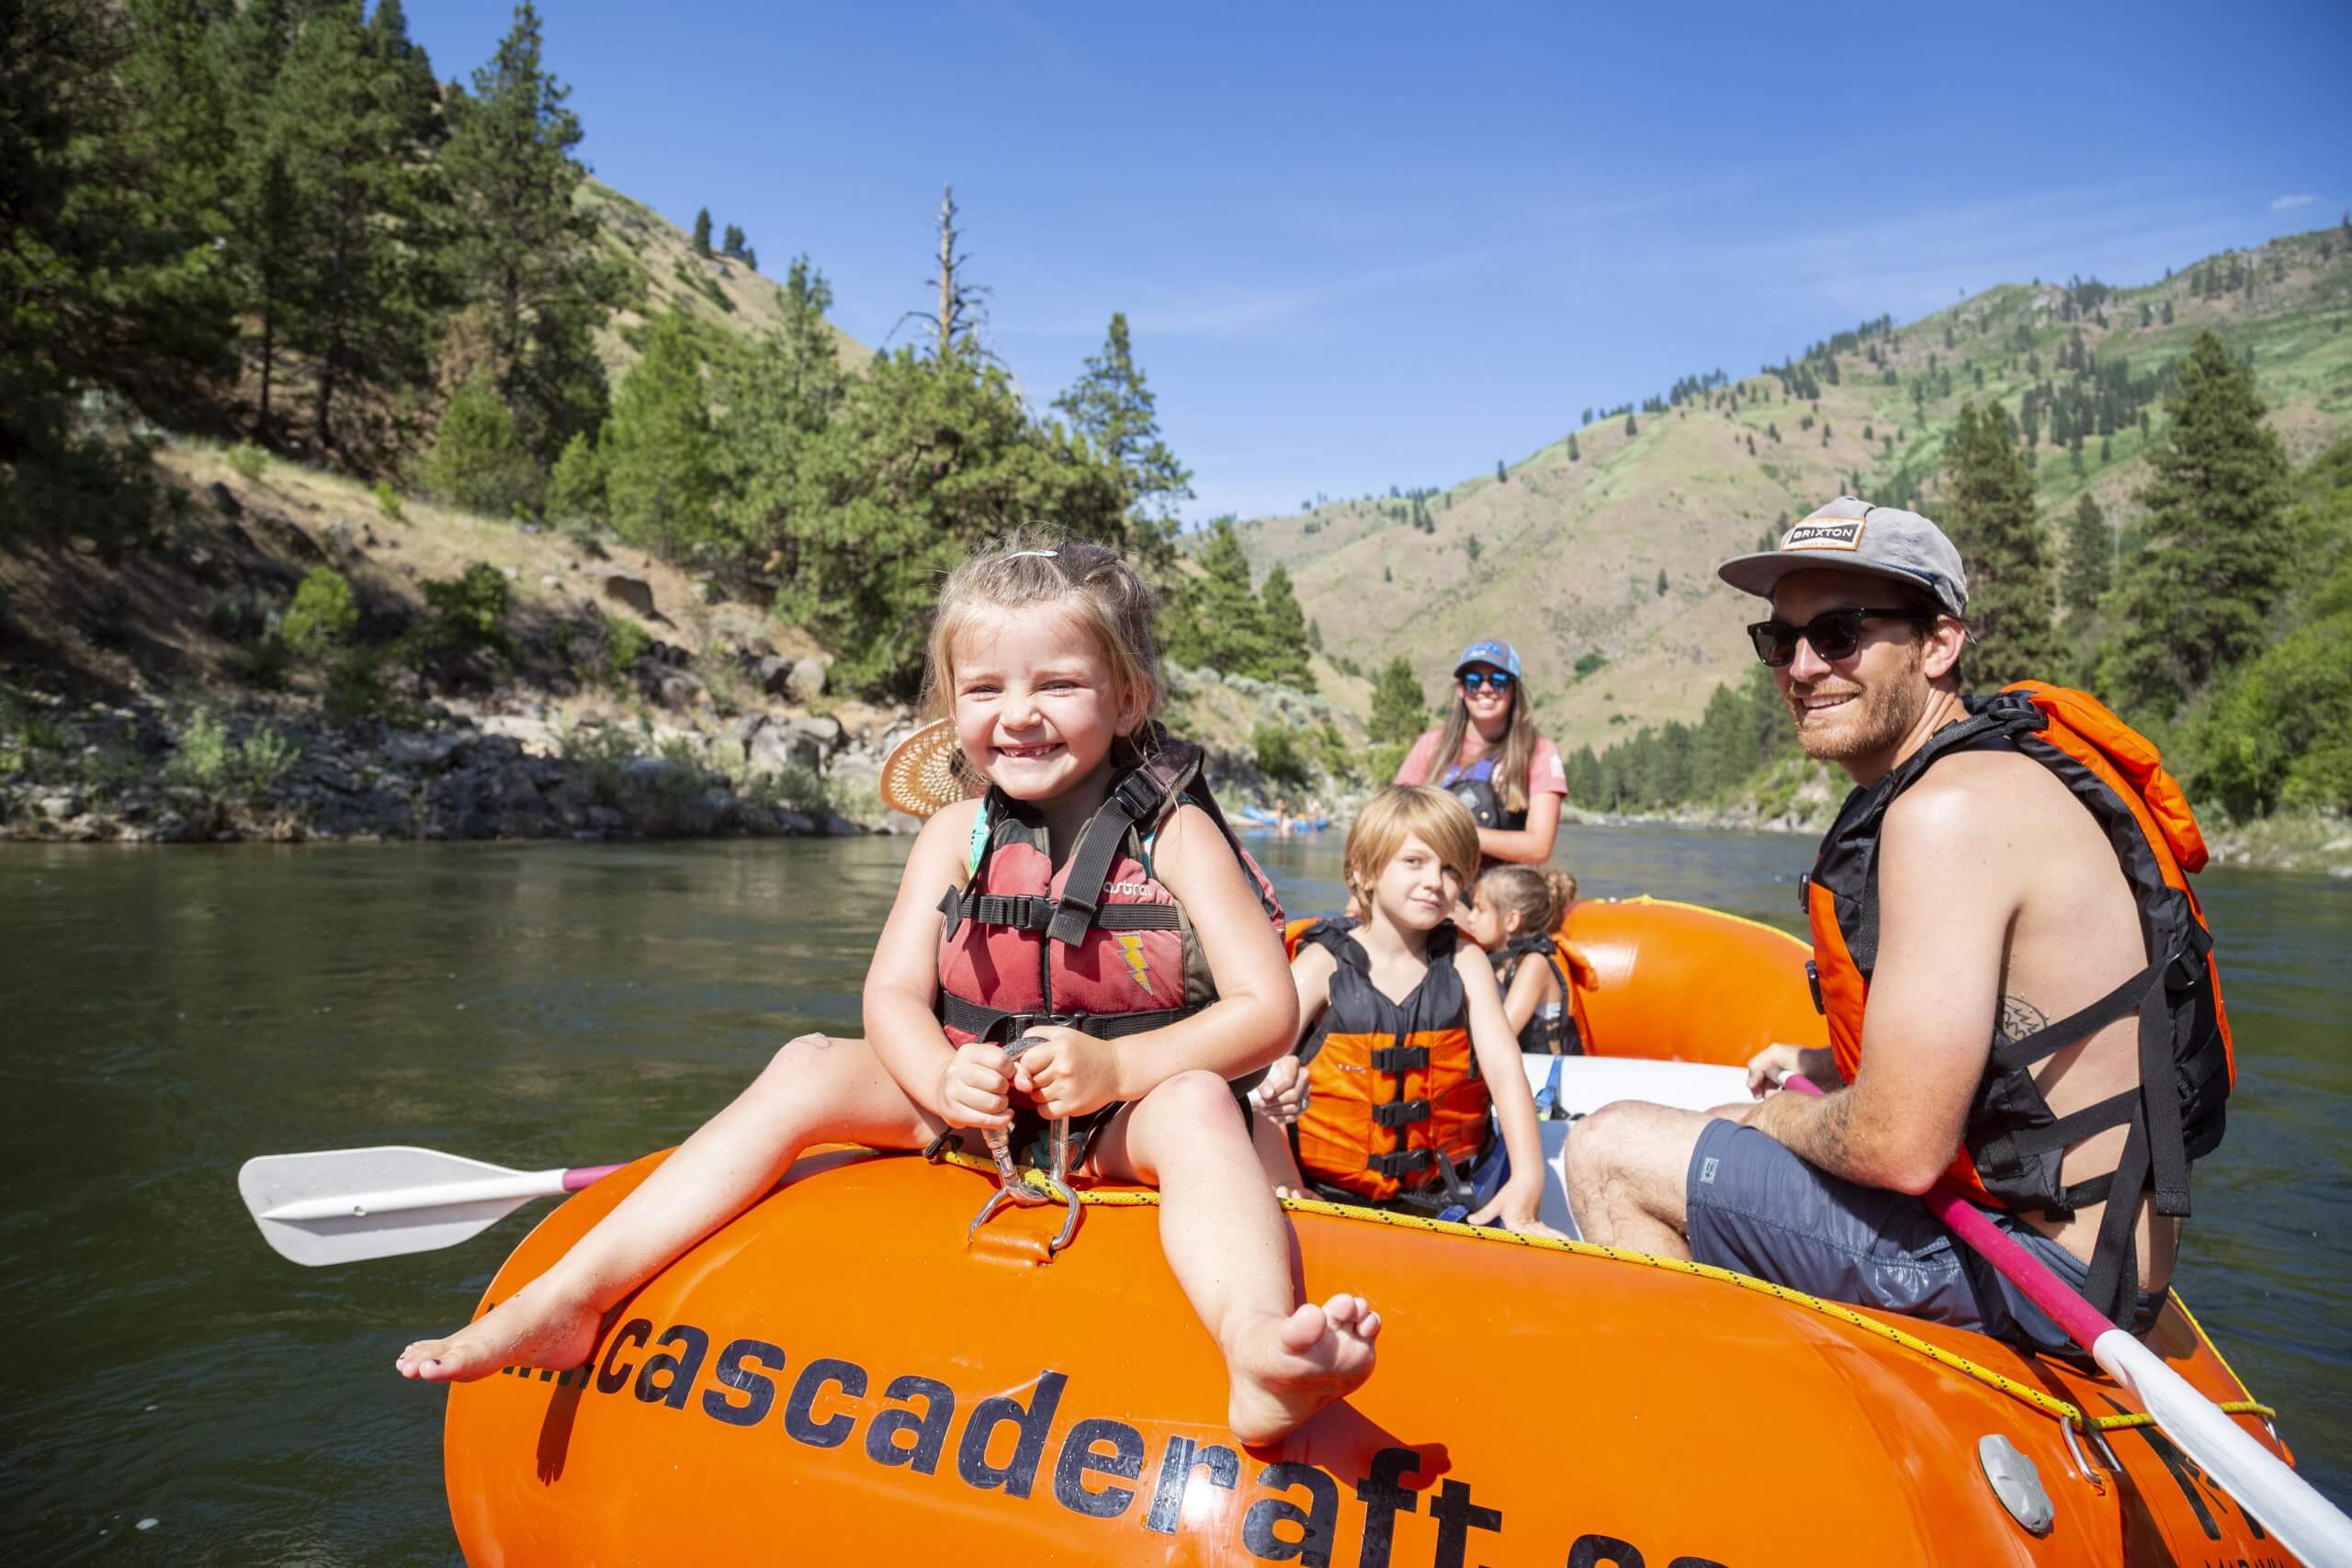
(1408, 854)
(1041, 654)
(1513, 912)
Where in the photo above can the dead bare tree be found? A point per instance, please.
(962, 310)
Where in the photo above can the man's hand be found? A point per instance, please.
(1520, 1202)
(1069, 1074)
(975, 1087)
(1281, 1095)
(1770, 1065)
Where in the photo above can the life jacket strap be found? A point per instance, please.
(1397, 1164)
(998, 1025)
(1028, 912)
(1399, 1059)
(1401, 1112)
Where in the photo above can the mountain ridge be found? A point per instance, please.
(1614, 548)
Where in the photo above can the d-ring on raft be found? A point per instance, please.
(1014, 1185)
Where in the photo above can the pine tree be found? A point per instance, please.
(1502, 474)
(2218, 545)
(1661, 582)
(576, 487)
(779, 394)
(362, 291)
(1219, 623)
(1990, 514)
(658, 450)
(733, 243)
(1399, 709)
(476, 461)
(1574, 455)
(1287, 639)
(1111, 406)
(524, 253)
(702, 233)
(1631, 428)
(2089, 546)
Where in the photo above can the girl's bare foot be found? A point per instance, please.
(532, 1328)
(1284, 1370)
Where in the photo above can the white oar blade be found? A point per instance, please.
(2290, 1507)
(274, 1182)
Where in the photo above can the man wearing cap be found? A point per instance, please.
(1982, 880)
(1490, 756)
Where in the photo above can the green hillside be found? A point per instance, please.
(1567, 554)
(657, 258)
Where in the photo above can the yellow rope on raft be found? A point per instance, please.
(2062, 1410)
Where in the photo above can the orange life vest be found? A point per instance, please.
(2012, 1144)
(1395, 1110)
(1101, 946)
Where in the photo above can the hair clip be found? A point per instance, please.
(1018, 554)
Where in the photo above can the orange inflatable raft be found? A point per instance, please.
(837, 1378)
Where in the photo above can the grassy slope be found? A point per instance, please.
(1570, 552)
(664, 272)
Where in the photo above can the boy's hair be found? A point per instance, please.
(1406, 811)
(1538, 896)
(1030, 569)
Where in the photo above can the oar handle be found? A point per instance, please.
(586, 1176)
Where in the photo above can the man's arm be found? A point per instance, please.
(1948, 890)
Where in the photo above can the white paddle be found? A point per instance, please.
(2289, 1507)
(344, 1205)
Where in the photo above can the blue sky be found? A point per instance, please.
(1367, 245)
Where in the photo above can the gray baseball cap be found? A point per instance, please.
(1853, 536)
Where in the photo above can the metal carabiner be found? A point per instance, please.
(1014, 1187)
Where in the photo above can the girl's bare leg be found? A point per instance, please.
(1227, 1243)
(815, 1090)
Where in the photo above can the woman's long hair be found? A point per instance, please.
(1513, 761)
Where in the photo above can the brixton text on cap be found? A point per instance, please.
(1848, 534)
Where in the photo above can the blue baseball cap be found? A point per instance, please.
(1490, 650)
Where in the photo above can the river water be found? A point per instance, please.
(165, 1015)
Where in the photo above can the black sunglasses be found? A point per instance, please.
(1834, 634)
(1474, 679)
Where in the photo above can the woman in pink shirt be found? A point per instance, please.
(1490, 757)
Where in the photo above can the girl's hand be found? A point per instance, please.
(1067, 1073)
(975, 1087)
(1281, 1095)
(1520, 1202)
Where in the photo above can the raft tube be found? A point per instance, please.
(1681, 983)
(837, 1376)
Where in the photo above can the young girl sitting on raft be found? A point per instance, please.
(1514, 911)
(1404, 1044)
(1042, 657)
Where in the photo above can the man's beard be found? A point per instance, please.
(1881, 715)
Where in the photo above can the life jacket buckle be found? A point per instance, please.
(1401, 1162)
(1812, 978)
(1400, 1058)
(1401, 1112)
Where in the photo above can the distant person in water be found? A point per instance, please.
(2019, 988)
(1041, 656)
(1488, 756)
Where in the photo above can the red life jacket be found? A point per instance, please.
(2012, 1144)
(1099, 946)
(1395, 1110)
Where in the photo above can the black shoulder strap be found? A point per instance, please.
(1140, 796)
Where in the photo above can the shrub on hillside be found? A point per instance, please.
(469, 610)
(323, 616)
(249, 461)
(576, 485)
(478, 461)
(1278, 756)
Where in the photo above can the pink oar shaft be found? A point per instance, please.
(2081, 1321)
(586, 1176)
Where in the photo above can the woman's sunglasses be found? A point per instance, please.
(1834, 634)
(1474, 679)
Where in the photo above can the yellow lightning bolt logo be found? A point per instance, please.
(1131, 944)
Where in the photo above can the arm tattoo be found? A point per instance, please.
(2020, 1018)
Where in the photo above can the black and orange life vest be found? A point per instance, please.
(1552, 1030)
(1101, 946)
(1394, 1105)
(2012, 1144)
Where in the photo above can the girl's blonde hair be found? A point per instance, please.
(1508, 775)
(1538, 896)
(1031, 570)
(1407, 811)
